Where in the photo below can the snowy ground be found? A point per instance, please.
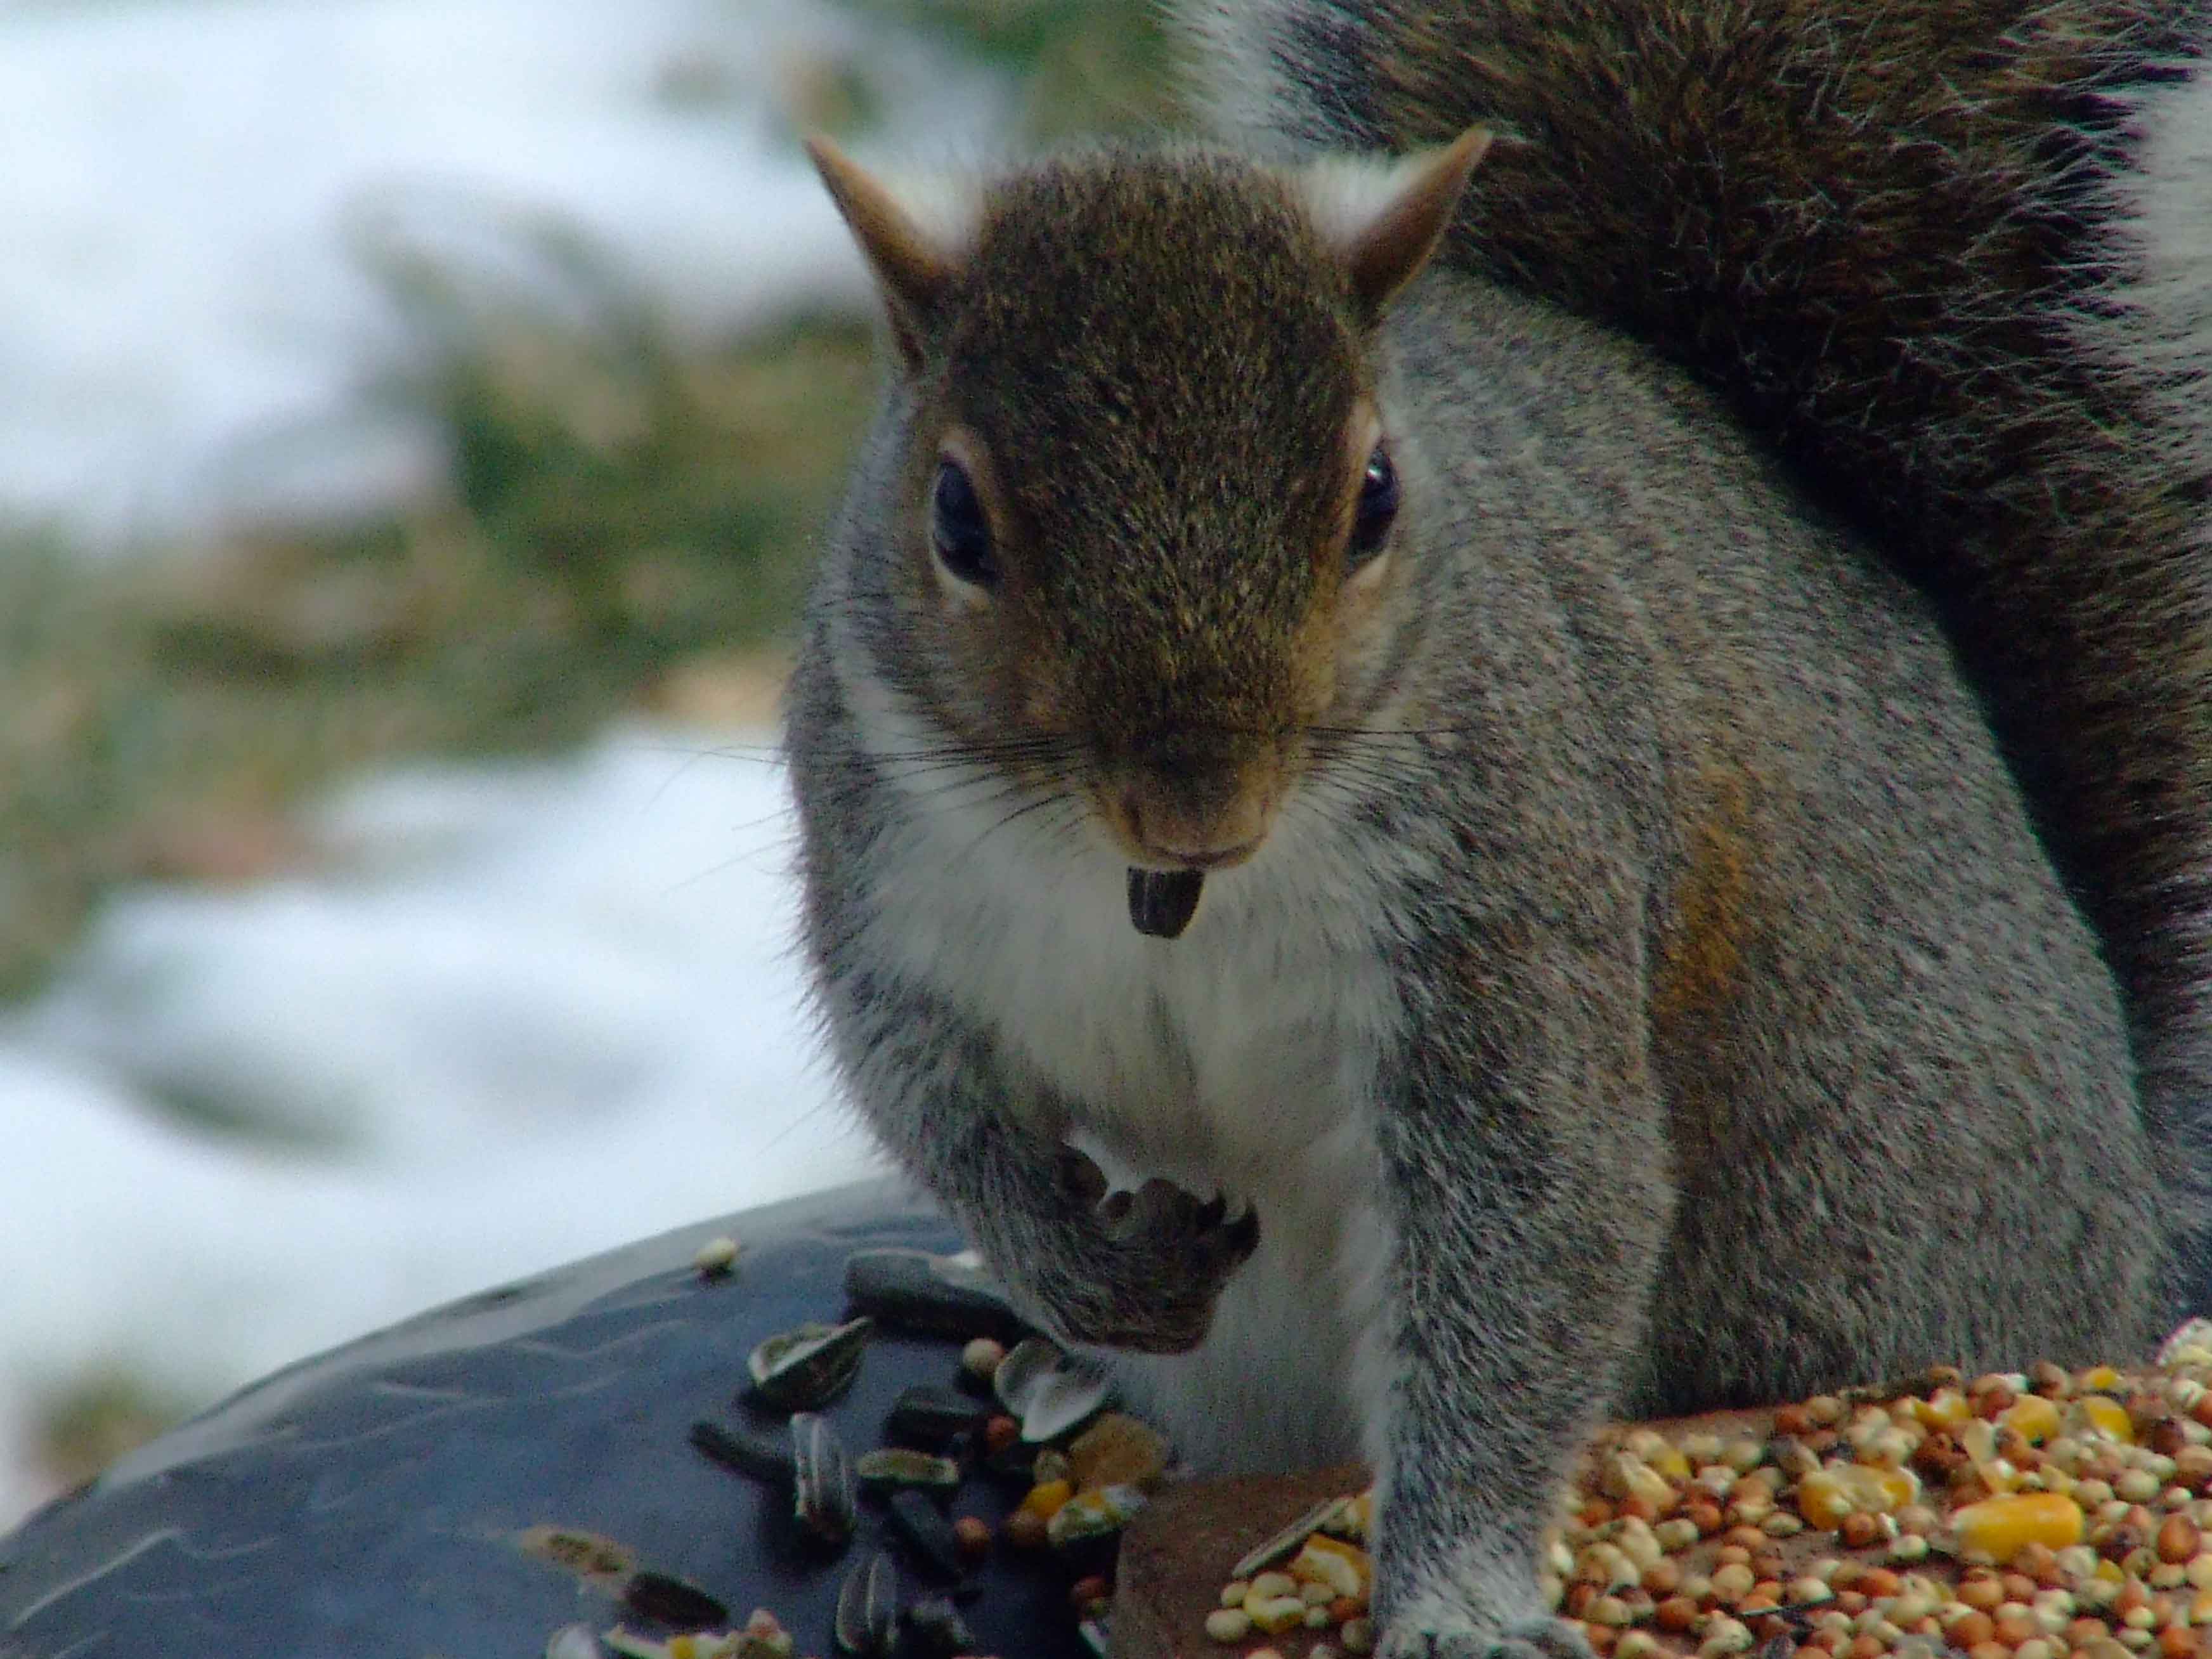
(530, 1014)
(186, 324)
(517, 1016)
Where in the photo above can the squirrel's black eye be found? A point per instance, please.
(957, 528)
(1378, 506)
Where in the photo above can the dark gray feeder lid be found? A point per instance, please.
(376, 1500)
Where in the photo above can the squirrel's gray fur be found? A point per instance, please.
(1652, 990)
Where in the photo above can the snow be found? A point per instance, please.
(528, 1014)
(189, 333)
(514, 1015)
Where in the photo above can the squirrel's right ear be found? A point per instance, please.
(915, 269)
(1385, 222)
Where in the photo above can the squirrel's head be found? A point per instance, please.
(1144, 497)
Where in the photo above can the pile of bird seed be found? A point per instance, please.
(2045, 1515)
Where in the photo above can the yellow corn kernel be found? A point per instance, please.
(1661, 1453)
(1344, 1569)
(1359, 1515)
(1046, 1498)
(1627, 1475)
(2001, 1528)
(2100, 1376)
(1827, 1495)
(2100, 1414)
(1277, 1615)
(2033, 1417)
(1946, 1409)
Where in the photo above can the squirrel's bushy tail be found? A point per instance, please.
(1953, 259)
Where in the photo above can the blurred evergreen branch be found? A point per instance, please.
(1084, 66)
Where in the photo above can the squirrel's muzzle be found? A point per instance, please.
(1192, 804)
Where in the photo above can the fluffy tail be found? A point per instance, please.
(1953, 259)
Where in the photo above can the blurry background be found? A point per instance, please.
(415, 421)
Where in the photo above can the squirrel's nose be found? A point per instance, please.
(1208, 821)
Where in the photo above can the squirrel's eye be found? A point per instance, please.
(957, 528)
(1378, 506)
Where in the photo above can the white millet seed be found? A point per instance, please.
(2134, 1636)
(1272, 1587)
(980, 1358)
(1701, 1449)
(1318, 1618)
(1743, 1455)
(1607, 1610)
(1316, 1594)
(2137, 1487)
(1912, 1546)
(574, 1642)
(1781, 1524)
(2035, 1648)
(1724, 1635)
(1734, 1579)
(1636, 1645)
(716, 1256)
(2077, 1561)
(1229, 1624)
(1234, 1592)
(1639, 1543)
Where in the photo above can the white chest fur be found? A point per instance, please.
(1240, 1058)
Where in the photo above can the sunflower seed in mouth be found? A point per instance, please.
(1163, 902)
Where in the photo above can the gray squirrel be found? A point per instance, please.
(1533, 741)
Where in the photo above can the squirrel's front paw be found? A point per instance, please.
(1160, 1257)
(1537, 1639)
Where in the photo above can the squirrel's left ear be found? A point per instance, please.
(1385, 222)
(914, 269)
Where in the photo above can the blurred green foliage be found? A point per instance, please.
(626, 507)
(1083, 66)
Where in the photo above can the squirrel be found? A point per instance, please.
(1530, 739)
